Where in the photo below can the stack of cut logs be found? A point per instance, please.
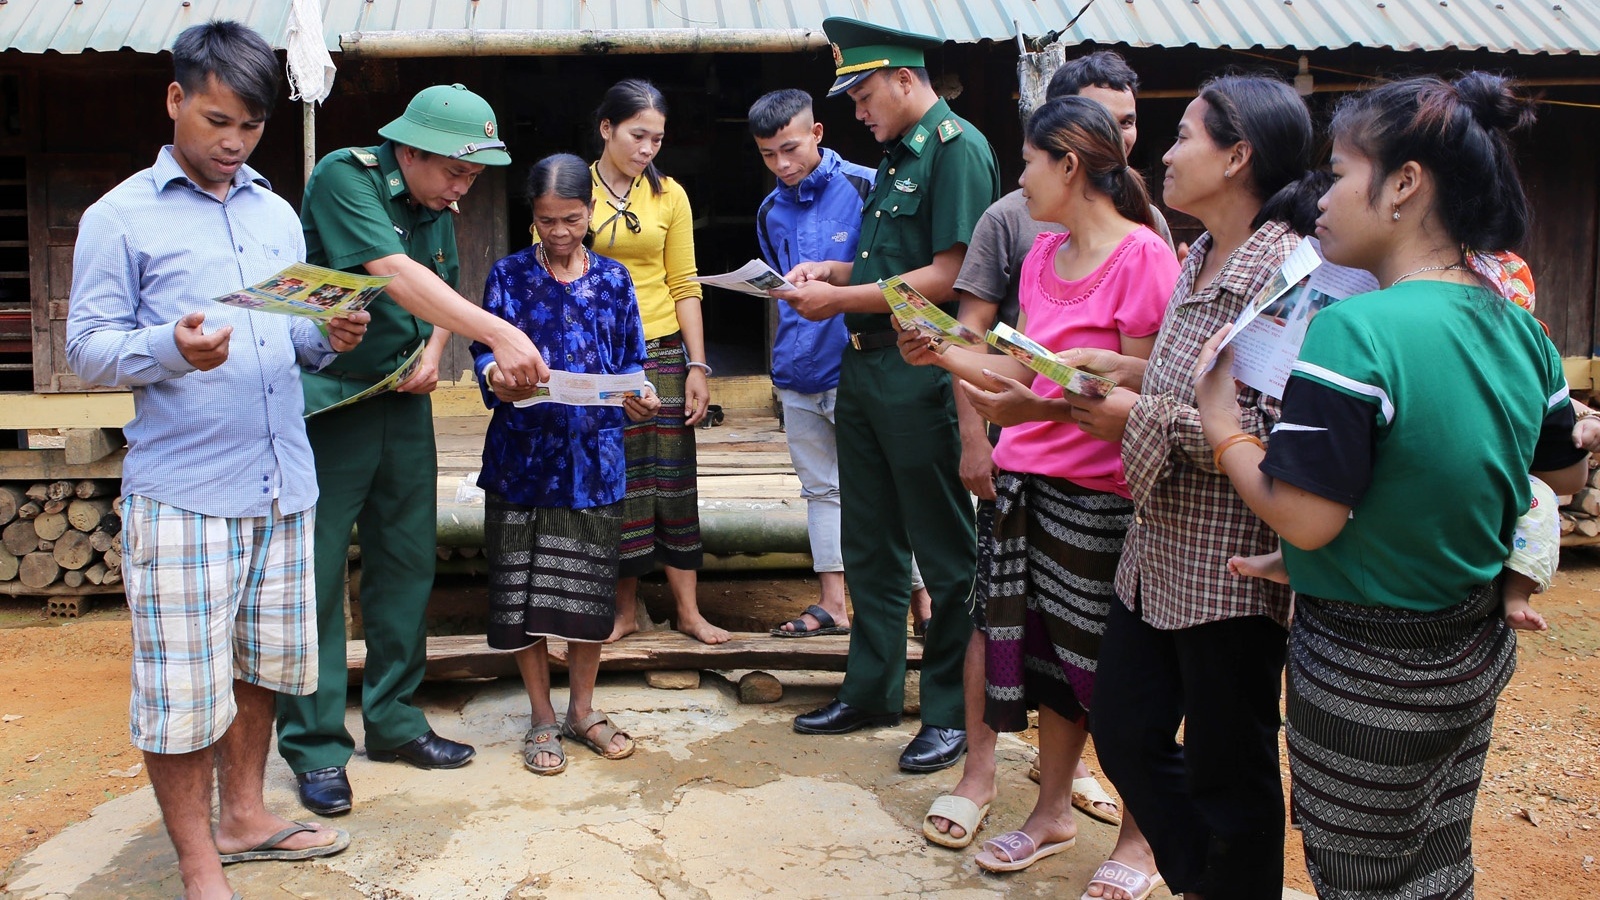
(60, 532)
(1580, 512)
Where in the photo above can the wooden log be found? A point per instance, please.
(113, 523)
(1568, 524)
(51, 507)
(86, 445)
(39, 569)
(113, 560)
(86, 515)
(100, 540)
(71, 578)
(115, 578)
(30, 510)
(20, 537)
(50, 525)
(10, 499)
(72, 551)
(95, 573)
(116, 542)
(8, 565)
(1587, 500)
(59, 490)
(38, 491)
(47, 546)
(89, 487)
(1587, 527)
(1594, 475)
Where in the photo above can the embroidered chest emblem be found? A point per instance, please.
(905, 186)
(840, 237)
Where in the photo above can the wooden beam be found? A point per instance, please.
(468, 656)
(105, 409)
(52, 465)
(87, 445)
(1581, 372)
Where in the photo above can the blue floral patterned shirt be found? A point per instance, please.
(551, 454)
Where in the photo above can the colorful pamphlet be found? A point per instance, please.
(578, 389)
(306, 290)
(1035, 356)
(754, 277)
(390, 382)
(916, 312)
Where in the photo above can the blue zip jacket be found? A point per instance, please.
(817, 219)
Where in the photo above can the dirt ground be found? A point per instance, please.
(64, 742)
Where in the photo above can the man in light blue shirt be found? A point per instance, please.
(813, 213)
(219, 480)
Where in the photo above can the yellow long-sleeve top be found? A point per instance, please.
(660, 257)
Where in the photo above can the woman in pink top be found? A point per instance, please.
(1046, 570)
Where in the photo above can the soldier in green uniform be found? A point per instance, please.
(898, 444)
(387, 210)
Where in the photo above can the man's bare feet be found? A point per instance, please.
(698, 628)
(241, 836)
(1268, 565)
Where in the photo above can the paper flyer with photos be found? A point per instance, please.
(578, 389)
(390, 382)
(916, 312)
(1267, 343)
(754, 278)
(1036, 357)
(302, 289)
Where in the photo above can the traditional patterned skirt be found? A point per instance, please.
(552, 572)
(1389, 720)
(661, 511)
(1048, 567)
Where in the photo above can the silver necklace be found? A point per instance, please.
(1452, 266)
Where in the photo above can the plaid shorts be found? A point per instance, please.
(214, 599)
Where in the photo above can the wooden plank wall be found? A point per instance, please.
(1562, 178)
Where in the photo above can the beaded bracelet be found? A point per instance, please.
(1229, 442)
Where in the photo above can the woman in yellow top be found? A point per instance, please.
(642, 220)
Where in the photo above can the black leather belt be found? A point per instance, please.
(875, 340)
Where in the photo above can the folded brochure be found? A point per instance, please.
(916, 312)
(581, 389)
(1035, 356)
(390, 382)
(754, 277)
(302, 289)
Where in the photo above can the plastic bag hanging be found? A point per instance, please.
(310, 67)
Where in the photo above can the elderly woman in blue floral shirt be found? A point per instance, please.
(555, 474)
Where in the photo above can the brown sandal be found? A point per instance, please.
(543, 739)
(579, 732)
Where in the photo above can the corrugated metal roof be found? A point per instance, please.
(1526, 26)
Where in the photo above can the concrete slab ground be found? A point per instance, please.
(721, 801)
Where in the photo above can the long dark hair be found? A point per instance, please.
(1082, 126)
(565, 177)
(624, 100)
(1458, 131)
(1267, 114)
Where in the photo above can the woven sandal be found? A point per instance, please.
(544, 739)
(579, 731)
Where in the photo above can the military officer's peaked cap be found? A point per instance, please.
(861, 48)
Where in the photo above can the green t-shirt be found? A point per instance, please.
(933, 186)
(357, 209)
(1456, 385)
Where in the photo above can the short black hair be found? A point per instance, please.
(774, 111)
(235, 55)
(1102, 68)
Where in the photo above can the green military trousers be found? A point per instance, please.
(900, 491)
(377, 469)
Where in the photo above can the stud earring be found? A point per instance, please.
(1226, 174)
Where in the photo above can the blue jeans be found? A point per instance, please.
(808, 423)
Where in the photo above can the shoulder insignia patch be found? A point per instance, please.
(948, 130)
(366, 158)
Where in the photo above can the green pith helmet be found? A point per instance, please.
(861, 48)
(451, 121)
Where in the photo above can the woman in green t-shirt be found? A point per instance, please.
(1433, 386)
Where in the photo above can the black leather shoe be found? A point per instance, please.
(933, 749)
(840, 718)
(325, 792)
(427, 752)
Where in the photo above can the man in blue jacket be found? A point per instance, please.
(814, 213)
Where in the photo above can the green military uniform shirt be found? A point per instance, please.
(356, 209)
(933, 186)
